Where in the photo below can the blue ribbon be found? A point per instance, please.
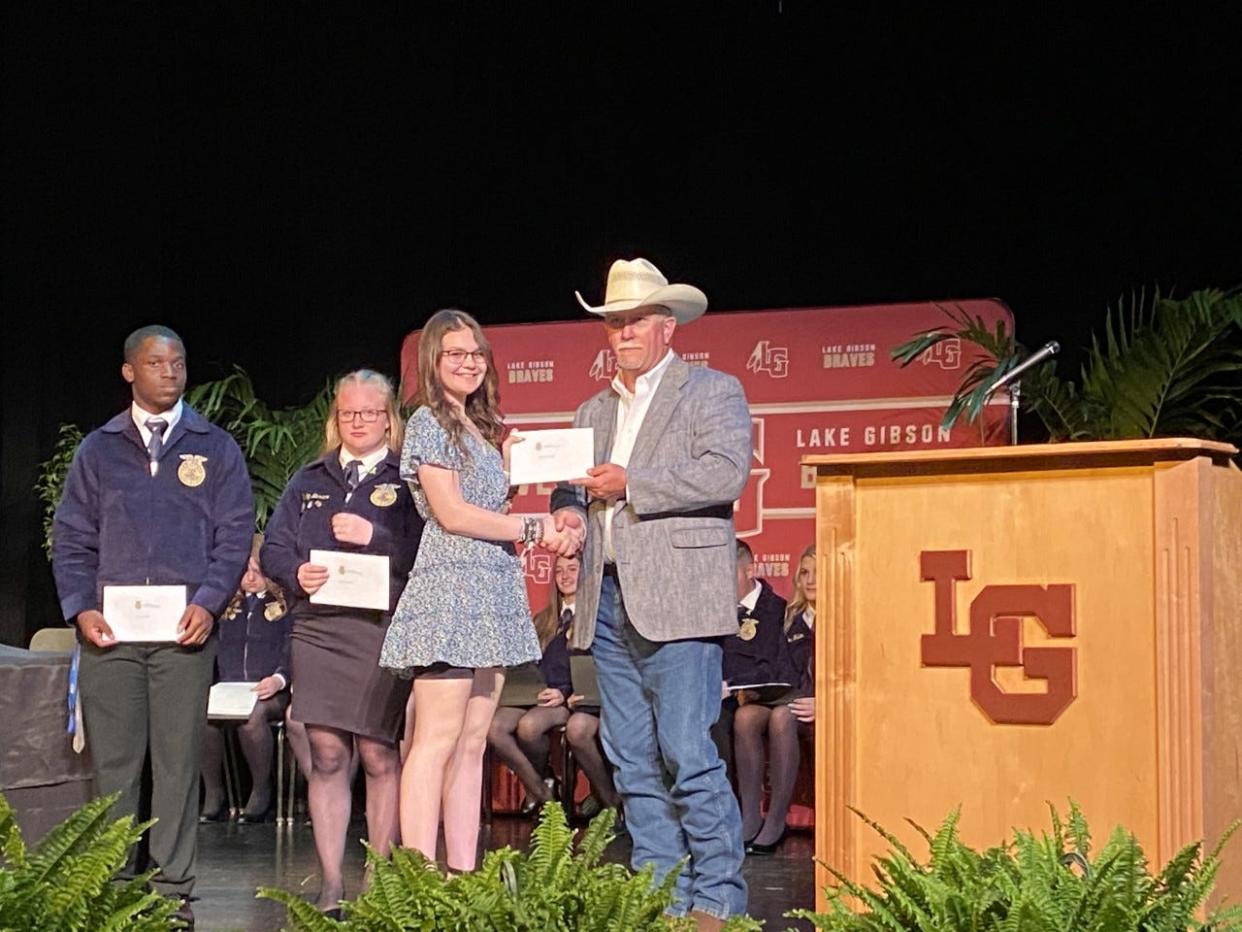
(73, 687)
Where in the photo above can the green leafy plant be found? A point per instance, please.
(53, 471)
(996, 353)
(1045, 884)
(1163, 367)
(276, 443)
(68, 883)
(551, 887)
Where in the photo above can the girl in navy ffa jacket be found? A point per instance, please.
(786, 723)
(254, 648)
(351, 499)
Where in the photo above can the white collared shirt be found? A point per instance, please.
(751, 598)
(141, 415)
(808, 616)
(632, 410)
(369, 462)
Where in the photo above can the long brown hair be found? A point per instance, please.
(370, 379)
(549, 618)
(482, 405)
(799, 603)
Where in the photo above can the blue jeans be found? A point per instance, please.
(659, 702)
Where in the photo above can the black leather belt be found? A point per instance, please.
(724, 512)
(610, 569)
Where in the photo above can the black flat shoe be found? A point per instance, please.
(218, 815)
(253, 818)
(763, 850)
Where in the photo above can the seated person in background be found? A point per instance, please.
(519, 734)
(754, 656)
(254, 648)
(786, 721)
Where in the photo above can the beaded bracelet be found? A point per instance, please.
(532, 531)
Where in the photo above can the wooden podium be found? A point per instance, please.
(1004, 627)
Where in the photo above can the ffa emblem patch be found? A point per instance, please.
(272, 611)
(746, 631)
(384, 495)
(192, 472)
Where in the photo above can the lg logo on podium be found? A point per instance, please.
(995, 640)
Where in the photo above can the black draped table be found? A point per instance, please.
(40, 775)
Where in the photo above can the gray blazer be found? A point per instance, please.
(674, 540)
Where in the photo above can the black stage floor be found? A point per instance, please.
(235, 859)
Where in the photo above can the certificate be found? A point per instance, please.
(231, 700)
(355, 580)
(552, 455)
(143, 613)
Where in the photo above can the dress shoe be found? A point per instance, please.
(215, 815)
(756, 848)
(255, 817)
(185, 915)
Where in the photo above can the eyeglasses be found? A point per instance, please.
(367, 415)
(457, 357)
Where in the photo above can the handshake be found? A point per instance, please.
(563, 532)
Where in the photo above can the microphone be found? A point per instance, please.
(1047, 351)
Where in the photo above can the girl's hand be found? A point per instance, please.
(311, 577)
(549, 698)
(515, 436)
(267, 687)
(574, 701)
(351, 529)
(803, 709)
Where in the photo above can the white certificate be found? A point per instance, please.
(355, 580)
(552, 455)
(144, 613)
(231, 700)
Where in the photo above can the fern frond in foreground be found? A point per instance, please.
(1045, 884)
(67, 882)
(551, 887)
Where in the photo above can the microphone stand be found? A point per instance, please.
(1013, 384)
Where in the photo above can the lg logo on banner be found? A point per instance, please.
(604, 366)
(769, 360)
(995, 640)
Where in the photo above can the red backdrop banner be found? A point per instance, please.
(818, 380)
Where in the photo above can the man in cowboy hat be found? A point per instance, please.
(673, 448)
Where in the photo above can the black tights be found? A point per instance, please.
(255, 737)
(784, 754)
(520, 739)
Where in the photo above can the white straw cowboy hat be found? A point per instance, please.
(637, 283)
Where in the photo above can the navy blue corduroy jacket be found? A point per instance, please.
(190, 524)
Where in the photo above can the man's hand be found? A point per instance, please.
(803, 709)
(549, 698)
(268, 686)
(351, 529)
(311, 577)
(93, 627)
(195, 626)
(569, 524)
(562, 542)
(606, 481)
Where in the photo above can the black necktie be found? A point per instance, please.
(156, 445)
(742, 612)
(252, 602)
(353, 474)
(567, 616)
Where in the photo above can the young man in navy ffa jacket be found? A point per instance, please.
(157, 496)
